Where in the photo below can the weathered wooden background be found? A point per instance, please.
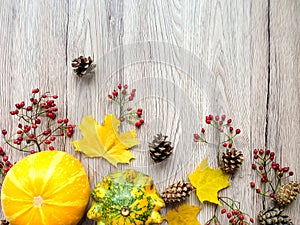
(186, 59)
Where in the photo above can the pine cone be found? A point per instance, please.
(287, 193)
(83, 66)
(177, 192)
(231, 160)
(4, 222)
(273, 216)
(160, 149)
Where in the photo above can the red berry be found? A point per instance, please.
(268, 152)
(120, 86)
(22, 104)
(223, 211)
(36, 90)
(260, 167)
(230, 129)
(51, 148)
(6, 169)
(109, 96)
(225, 145)
(272, 195)
(4, 132)
(237, 131)
(34, 126)
(140, 110)
(59, 121)
(69, 134)
(211, 117)
(44, 95)
(5, 158)
(221, 130)
(47, 142)
(196, 136)
(122, 119)
(220, 122)
(252, 184)
(255, 151)
(55, 96)
(254, 166)
(217, 117)
(223, 117)
(37, 121)
(242, 217)
(229, 120)
(202, 130)
(115, 93)
(261, 151)
(228, 215)
(130, 98)
(291, 173)
(19, 131)
(251, 220)
(61, 133)
(229, 145)
(66, 120)
(52, 138)
(258, 190)
(142, 121)
(207, 121)
(18, 106)
(139, 113)
(286, 169)
(32, 151)
(138, 124)
(255, 156)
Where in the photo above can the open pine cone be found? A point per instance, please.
(273, 216)
(287, 193)
(177, 192)
(83, 66)
(231, 160)
(160, 149)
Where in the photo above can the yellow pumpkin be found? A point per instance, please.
(46, 188)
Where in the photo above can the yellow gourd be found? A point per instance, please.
(46, 188)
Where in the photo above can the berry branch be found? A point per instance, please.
(121, 97)
(37, 127)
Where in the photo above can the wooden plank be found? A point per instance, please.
(283, 92)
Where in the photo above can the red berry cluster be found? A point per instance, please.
(233, 213)
(271, 173)
(121, 96)
(5, 164)
(223, 126)
(37, 125)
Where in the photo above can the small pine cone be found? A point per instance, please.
(83, 66)
(231, 160)
(287, 193)
(160, 149)
(4, 222)
(177, 192)
(273, 216)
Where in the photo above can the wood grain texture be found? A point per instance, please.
(186, 59)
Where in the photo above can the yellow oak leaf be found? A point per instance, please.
(208, 182)
(185, 215)
(105, 140)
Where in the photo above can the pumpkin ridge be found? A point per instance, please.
(14, 180)
(55, 161)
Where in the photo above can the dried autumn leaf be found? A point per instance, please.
(186, 215)
(208, 182)
(105, 140)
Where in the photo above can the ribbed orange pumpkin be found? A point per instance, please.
(46, 188)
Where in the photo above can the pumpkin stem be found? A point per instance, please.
(38, 201)
(125, 211)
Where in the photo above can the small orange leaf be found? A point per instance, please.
(185, 215)
(208, 182)
(105, 140)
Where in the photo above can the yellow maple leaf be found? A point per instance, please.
(208, 182)
(185, 215)
(105, 140)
